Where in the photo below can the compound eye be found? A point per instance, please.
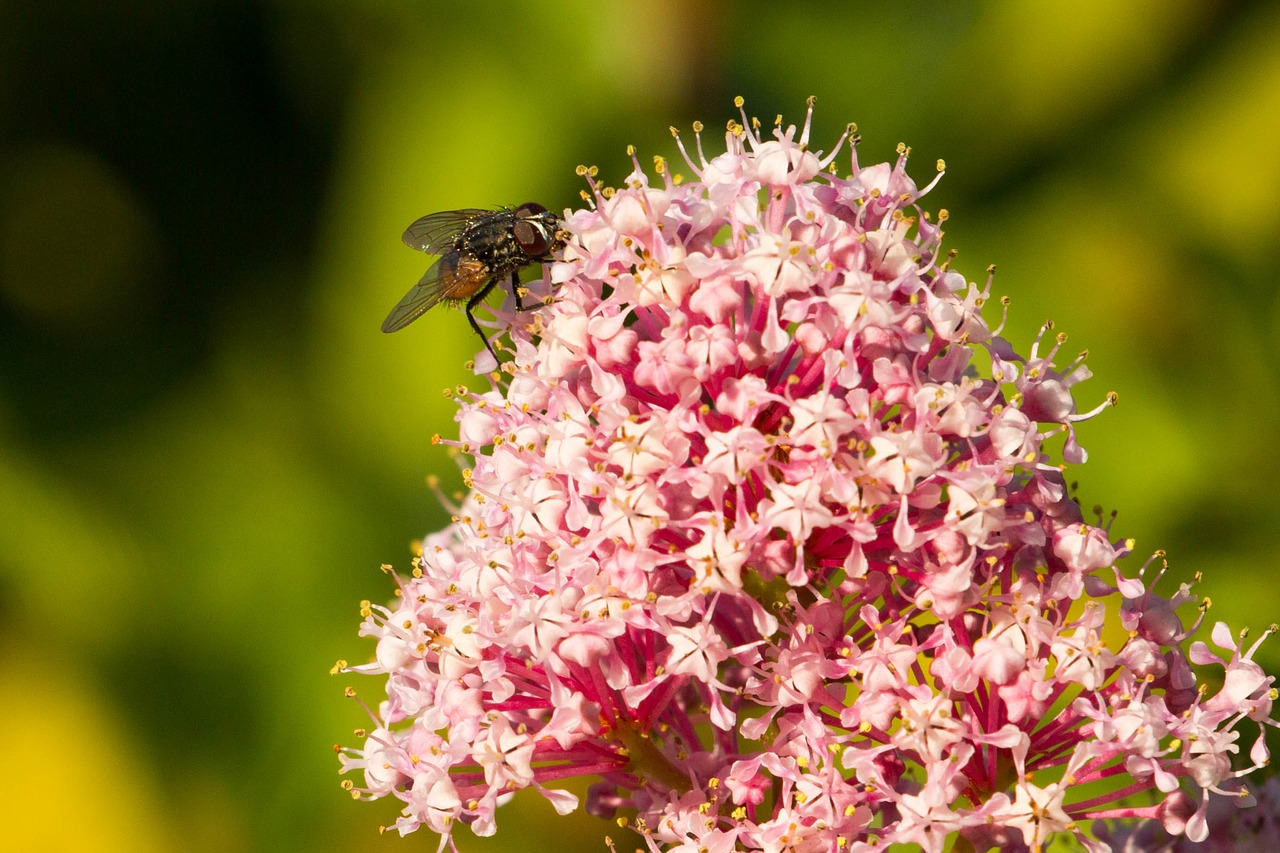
(529, 209)
(533, 240)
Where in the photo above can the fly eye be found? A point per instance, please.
(529, 209)
(533, 241)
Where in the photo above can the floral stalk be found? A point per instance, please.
(765, 536)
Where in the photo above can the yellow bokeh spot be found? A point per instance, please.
(80, 781)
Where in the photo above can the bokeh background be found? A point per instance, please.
(207, 448)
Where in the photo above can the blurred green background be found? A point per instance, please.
(207, 447)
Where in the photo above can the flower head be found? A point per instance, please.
(753, 539)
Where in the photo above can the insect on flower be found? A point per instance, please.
(768, 541)
(477, 248)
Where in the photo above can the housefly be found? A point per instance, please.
(477, 249)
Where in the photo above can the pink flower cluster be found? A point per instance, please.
(764, 535)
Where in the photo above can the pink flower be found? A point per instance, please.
(752, 541)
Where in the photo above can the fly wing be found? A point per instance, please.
(450, 278)
(434, 233)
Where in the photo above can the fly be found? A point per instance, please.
(477, 249)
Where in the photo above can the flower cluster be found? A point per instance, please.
(764, 535)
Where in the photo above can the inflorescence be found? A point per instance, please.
(764, 534)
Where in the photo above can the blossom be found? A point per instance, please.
(753, 539)
(1243, 819)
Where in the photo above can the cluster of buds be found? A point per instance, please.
(763, 534)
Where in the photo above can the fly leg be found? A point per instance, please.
(471, 318)
(515, 289)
